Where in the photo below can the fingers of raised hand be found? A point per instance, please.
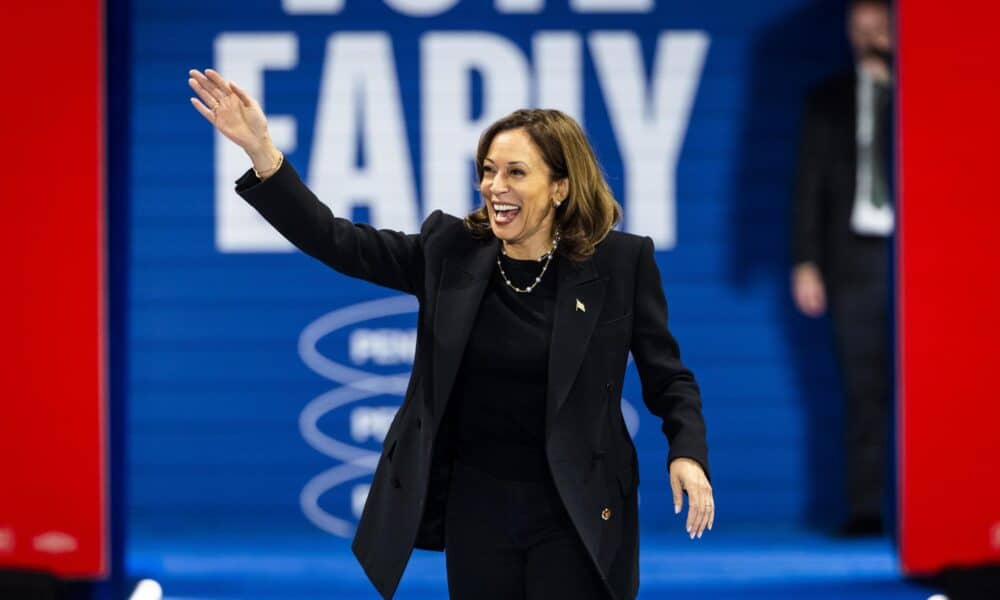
(218, 81)
(207, 99)
(208, 91)
(204, 110)
(217, 99)
(242, 95)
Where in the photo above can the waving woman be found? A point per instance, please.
(509, 451)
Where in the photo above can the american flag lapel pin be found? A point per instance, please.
(579, 306)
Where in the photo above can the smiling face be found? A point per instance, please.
(519, 194)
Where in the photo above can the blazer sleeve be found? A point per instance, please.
(388, 258)
(669, 389)
(807, 208)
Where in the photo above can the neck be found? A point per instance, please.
(528, 249)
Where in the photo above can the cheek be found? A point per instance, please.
(538, 207)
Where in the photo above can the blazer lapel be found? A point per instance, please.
(579, 299)
(460, 292)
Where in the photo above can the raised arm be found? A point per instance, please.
(388, 258)
(383, 257)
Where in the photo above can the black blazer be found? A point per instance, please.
(825, 187)
(590, 452)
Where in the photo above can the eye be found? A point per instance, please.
(487, 170)
(517, 172)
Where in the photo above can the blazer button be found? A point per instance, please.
(606, 513)
(608, 386)
(397, 484)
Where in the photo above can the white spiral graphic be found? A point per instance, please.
(356, 385)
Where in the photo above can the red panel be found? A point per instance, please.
(949, 284)
(52, 372)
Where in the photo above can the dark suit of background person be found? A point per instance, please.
(842, 226)
(604, 307)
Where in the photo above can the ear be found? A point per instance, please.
(560, 189)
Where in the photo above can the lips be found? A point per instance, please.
(505, 213)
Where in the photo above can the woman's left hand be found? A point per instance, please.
(686, 475)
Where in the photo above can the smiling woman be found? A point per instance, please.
(510, 451)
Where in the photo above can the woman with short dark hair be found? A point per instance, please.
(509, 451)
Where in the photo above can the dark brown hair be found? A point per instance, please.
(589, 212)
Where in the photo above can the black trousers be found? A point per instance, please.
(862, 319)
(513, 540)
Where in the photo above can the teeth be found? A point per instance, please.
(503, 207)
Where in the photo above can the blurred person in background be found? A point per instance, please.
(526, 476)
(843, 223)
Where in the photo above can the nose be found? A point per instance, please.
(498, 184)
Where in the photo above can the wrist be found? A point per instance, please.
(263, 150)
(266, 158)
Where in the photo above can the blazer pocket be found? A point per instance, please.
(626, 481)
(391, 450)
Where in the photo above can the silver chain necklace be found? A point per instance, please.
(547, 258)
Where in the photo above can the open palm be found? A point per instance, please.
(228, 107)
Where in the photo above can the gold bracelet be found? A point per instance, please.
(262, 175)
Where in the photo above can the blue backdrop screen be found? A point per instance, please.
(245, 354)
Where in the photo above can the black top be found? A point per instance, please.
(497, 406)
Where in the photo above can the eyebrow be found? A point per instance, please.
(513, 162)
